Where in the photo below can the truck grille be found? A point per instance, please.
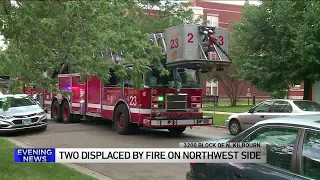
(176, 103)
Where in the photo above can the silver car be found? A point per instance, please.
(270, 109)
(21, 113)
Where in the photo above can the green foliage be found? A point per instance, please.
(308, 40)
(278, 94)
(276, 43)
(43, 35)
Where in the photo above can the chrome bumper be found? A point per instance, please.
(17, 124)
(34, 126)
(227, 123)
(165, 122)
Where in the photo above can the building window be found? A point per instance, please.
(213, 20)
(211, 88)
(296, 85)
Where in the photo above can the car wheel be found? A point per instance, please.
(234, 127)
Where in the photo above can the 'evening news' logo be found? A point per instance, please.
(34, 155)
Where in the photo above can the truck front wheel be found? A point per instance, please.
(177, 130)
(122, 120)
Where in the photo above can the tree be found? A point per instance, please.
(78, 36)
(230, 80)
(268, 51)
(308, 45)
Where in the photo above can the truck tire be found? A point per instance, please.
(76, 118)
(122, 122)
(177, 130)
(55, 111)
(66, 113)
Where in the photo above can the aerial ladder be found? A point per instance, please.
(192, 46)
(189, 46)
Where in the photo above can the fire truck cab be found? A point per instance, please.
(171, 102)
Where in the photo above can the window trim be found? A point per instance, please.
(293, 167)
(304, 131)
(263, 102)
(272, 106)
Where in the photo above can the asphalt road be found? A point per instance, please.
(98, 134)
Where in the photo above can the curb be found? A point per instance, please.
(217, 126)
(218, 112)
(76, 167)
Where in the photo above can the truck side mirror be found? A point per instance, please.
(204, 71)
(181, 70)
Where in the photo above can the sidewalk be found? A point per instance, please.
(217, 112)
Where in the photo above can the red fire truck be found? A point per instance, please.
(171, 102)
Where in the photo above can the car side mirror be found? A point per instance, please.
(251, 111)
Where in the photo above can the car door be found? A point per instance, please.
(308, 158)
(256, 114)
(281, 147)
(280, 109)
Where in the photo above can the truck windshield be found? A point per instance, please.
(156, 78)
(189, 78)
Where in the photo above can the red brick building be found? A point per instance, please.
(222, 15)
(296, 91)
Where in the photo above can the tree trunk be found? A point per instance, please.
(233, 101)
(307, 89)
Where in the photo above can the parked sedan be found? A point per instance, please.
(293, 152)
(270, 109)
(20, 112)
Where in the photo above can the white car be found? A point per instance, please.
(20, 112)
(270, 109)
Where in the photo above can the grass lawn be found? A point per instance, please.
(218, 119)
(224, 106)
(235, 109)
(33, 171)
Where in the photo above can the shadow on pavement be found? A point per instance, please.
(144, 132)
(106, 125)
(23, 133)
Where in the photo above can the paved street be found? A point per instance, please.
(99, 135)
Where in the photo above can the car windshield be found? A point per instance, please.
(307, 105)
(17, 101)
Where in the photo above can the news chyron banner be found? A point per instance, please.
(213, 153)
